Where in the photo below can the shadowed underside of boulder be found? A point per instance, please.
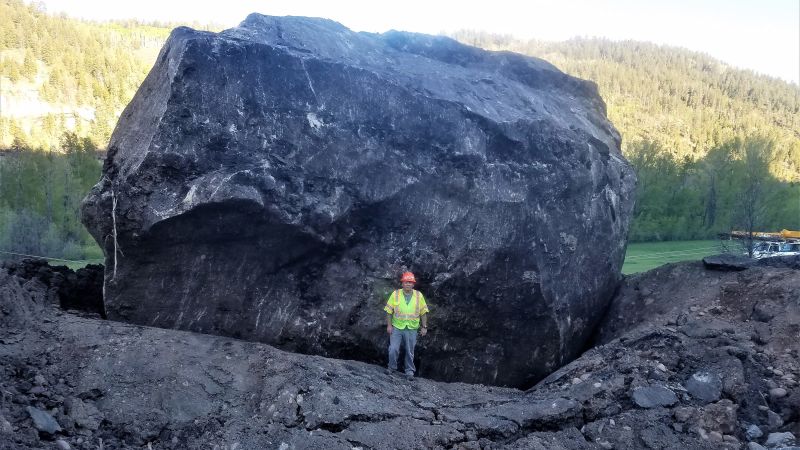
(270, 182)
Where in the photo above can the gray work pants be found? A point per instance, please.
(409, 340)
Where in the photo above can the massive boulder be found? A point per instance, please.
(270, 183)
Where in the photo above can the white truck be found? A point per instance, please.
(769, 249)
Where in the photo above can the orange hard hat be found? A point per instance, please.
(408, 276)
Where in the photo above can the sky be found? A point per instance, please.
(763, 36)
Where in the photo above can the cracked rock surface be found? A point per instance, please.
(272, 181)
(131, 385)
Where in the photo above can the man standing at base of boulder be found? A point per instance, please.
(405, 309)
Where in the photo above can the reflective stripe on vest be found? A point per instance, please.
(400, 316)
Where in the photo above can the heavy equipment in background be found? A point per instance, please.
(767, 244)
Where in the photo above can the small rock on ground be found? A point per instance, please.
(652, 396)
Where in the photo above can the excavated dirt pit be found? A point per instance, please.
(685, 358)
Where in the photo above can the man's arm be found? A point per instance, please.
(423, 310)
(390, 309)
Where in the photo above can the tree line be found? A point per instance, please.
(686, 102)
(731, 187)
(687, 122)
(40, 196)
(72, 65)
(714, 147)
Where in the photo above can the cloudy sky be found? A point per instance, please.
(763, 36)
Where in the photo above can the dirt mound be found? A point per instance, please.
(80, 289)
(722, 374)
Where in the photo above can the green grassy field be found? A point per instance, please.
(94, 256)
(643, 256)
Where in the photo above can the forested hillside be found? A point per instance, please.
(63, 84)
(709, 142)
(686, 102)
(62, 74)
(40, 194)
(715, 147)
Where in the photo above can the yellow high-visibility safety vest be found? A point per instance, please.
(406, 315)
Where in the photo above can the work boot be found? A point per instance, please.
(409, 375)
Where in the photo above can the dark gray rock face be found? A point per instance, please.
(43, 421)
(704, 386)
(728, 262)
(779, 440)
(652, 396)
(80, 289)
(753, 432)
(270, 183)
(119, 386)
